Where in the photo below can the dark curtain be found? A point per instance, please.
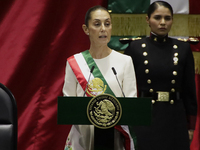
(36, 37)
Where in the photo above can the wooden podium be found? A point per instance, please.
(135, 112)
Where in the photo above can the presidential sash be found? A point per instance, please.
(81, 65)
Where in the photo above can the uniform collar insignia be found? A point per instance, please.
(155, 38)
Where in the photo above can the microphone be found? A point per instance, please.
(88, 80)
(115, 73)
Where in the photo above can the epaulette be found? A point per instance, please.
(190, 40)
(128, 40)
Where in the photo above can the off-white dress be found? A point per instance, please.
(81, 136)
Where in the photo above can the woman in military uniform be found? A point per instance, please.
(164, 71)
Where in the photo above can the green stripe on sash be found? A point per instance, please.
(96, 72)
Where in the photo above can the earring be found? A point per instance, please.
(87, 33)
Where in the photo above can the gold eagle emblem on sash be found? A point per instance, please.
(95, 87)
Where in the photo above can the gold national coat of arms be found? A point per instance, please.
(104, 111)
(96, 87)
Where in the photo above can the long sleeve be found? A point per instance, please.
(129, 82)
(189, 90)
(70, 82)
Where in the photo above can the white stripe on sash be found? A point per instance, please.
(83, 66)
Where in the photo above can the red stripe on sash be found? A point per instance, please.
(127, 142)
(78, 73)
